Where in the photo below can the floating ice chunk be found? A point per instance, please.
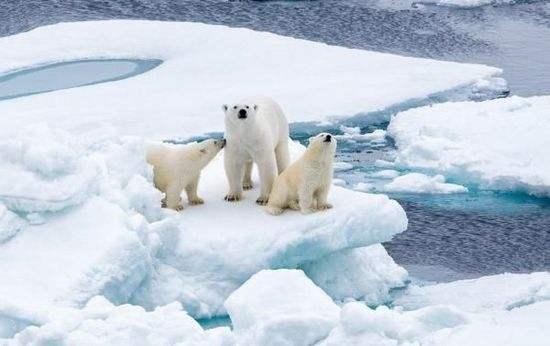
(339, 182)
(10, 224)
(342, 166)
(363, 187)
(215, 248)
(69, 259)
(501, 144)
(360, 325)
(366, 273)
(385, 174)
(102, 323)
(421, 183)
(354, 134)
(392, 79)
(496, 292)
(281, 307)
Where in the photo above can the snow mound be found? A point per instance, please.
(102, 323)
(281, 67)
(361, 325)
(500, 144)
(281, 307)
(10, 224)
(45, 170)
(496, 292)
(70, 259)
(215, 248)
(421, 183)
(366, 274)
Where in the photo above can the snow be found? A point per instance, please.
(499, 145)
(281, 307)
(183, 95)
(527, 325)
(361, 325)
(354, 134)
(10, 224)
(367, 274)
(496, 292)
(102, 323)
(421, 183)
(342, 166)
(69, 259)
(385, 174)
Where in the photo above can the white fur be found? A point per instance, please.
(305, 184)
(261, 138)
(178, 167)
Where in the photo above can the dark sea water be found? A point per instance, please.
(449, 237)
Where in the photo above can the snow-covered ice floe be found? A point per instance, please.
(111, 238)
(466, 3)
(205, 66)
(500, 144)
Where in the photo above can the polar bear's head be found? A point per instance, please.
(240, 112)
(208, 149)
(323, 144)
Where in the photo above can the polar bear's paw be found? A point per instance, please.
(262, 200)
(294, 205)
(324, 206)
(274, 210)
(196, 201)
(232, 197)
(307, 210)
(247, 185)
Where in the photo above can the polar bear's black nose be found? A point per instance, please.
(242, 114)
(328, 138)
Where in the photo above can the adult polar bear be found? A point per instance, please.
(256, 131)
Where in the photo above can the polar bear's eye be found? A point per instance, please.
(234, 107)
(246, 107)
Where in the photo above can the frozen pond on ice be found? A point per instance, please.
(69, 74)
(451, 236)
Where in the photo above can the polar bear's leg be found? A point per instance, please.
(278, 197)
(268, 171)
(173, 199)
(321, 196)
(305, 199)
(234, 170)
(282, 155)
(191, 190)
(247, 181)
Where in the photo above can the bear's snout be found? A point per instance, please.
(328, 138)
(242, 114)
(221, 143)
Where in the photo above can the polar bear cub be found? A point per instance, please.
(256, 130)
(305, 184)
(178, 167)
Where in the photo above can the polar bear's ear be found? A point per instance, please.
(224, 107)
(255, 107)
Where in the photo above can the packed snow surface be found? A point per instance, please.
(467, 3)
(499, 144)
(206, 66)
